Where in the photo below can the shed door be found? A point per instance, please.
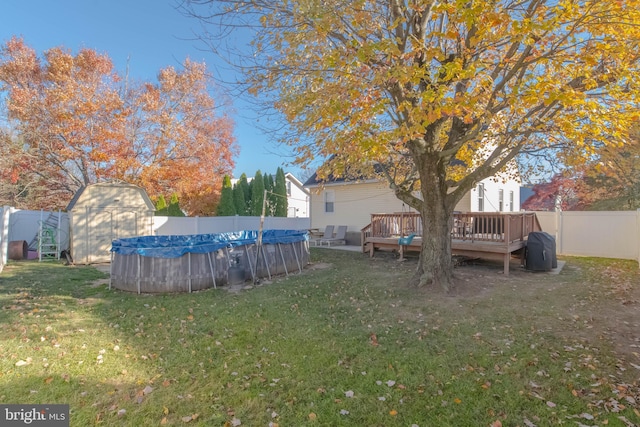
(107, 225)
(100, 236)
(125, 224)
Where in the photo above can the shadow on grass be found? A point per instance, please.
(349, 344)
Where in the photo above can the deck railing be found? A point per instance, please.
(470, 226)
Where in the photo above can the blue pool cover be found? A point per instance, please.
(176, 246)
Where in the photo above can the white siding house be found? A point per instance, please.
(298, 197)
(351, 203)
(492, 195)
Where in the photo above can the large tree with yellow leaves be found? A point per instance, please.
(440, 94)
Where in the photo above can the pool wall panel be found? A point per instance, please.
(197, 271)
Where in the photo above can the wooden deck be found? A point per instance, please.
(484, 235)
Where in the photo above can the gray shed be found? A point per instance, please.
(100, 213)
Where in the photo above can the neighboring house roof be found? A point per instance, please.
(314, 181)
(289, 176)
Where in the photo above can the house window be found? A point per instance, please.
(329, 200)
(511, 201)
(289, 188)
(480, 197)
(500, 200)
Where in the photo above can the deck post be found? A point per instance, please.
(507, 259)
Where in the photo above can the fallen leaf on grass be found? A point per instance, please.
(393, 412)
(550, 404)
(24, 362)
(496, 423)
(374, 340)
(190, 418)
(48, 380)
(312, 416)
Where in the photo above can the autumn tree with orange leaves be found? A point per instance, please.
(72, 121)
(438, 93)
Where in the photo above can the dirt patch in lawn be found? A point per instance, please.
(585, 301)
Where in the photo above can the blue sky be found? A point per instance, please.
(150, 35)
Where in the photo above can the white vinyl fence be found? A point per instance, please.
(596, 234)
(19, 225)
(603, 234)
(171, 225)
(29, 226)
(4, 235)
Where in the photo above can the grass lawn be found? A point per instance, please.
(346, 343)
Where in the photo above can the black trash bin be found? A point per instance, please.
(541, 252)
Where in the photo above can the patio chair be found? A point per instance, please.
(340, 237)
(328, 234)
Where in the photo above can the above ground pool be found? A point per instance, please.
(163, 264)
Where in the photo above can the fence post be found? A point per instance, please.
(4, 236)
(558, 230)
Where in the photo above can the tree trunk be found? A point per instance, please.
(435, 264)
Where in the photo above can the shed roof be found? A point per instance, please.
(120, 187)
